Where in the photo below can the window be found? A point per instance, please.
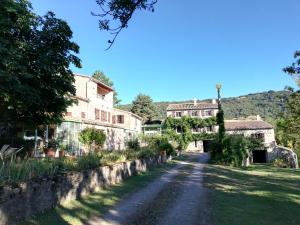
(97, 114)
(83, 115)
(113, 119)
(258, 136)
(195, 113)
(207, 113)
(120, 118)
(178, 114)
(178, 129)
(68, 113)
(103, 116)
(209, 129)
(196, 144)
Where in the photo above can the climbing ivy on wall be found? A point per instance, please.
(185, 125)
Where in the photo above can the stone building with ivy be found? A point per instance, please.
(200, 125)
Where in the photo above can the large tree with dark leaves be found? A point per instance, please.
(36, 84)
(143, 106)
(115, 14)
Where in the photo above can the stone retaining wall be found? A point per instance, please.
(27, 199)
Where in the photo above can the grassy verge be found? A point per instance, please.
(258, 195)
(77, 212)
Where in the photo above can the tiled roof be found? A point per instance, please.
(232, 125)
(191, 106)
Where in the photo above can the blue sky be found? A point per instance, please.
(185, 47)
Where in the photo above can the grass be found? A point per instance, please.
(78, 211)
(258, 195)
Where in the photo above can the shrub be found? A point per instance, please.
(15, 170)
(165, 146)
(92, 136)
(147, 152)
(89, 161)
(280, 162)
(133, 144)
(235, 148)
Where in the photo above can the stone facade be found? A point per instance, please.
(195, 109)
(25, 200)
(95, 109)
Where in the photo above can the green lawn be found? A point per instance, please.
(258, 195)
(78, 211)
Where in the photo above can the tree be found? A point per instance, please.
(36, 84)
(288, 127)
(92, 137)
(115, 14)
(99, 75)
(143, 106)
(294, 69)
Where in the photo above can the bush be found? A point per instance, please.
(235, 148)
(92, 136)
(15, 170)
(280, 162)
(147, 153)
(165, 146)
(133, 144)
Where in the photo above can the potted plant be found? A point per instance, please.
(50, 149)
(61, 152)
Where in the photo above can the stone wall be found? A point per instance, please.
(24, 200)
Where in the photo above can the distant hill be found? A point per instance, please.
(266, 104)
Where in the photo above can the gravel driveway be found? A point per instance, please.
(175, 198)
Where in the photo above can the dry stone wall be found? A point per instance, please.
(24, 200)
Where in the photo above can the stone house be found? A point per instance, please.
(95, 109)
(254, 127)
(259, 129)
(197, 110)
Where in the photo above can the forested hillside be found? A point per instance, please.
(266, 104)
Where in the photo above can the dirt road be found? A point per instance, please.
(177, 197)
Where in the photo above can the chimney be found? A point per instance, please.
(258, 118)
(214, 101)
(195, 101)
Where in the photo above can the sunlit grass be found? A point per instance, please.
(258, 195)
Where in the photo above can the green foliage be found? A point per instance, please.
(165, 146)
(287, 127)
(36, 53)
(294, 69)
(23, 170)
(221, 124)
(147, 152)
(92, 136)
(13, 171)
(99, 75)
(280, 162)
(143, 106)
(185, 125)
(133, 144)
(235, 148)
